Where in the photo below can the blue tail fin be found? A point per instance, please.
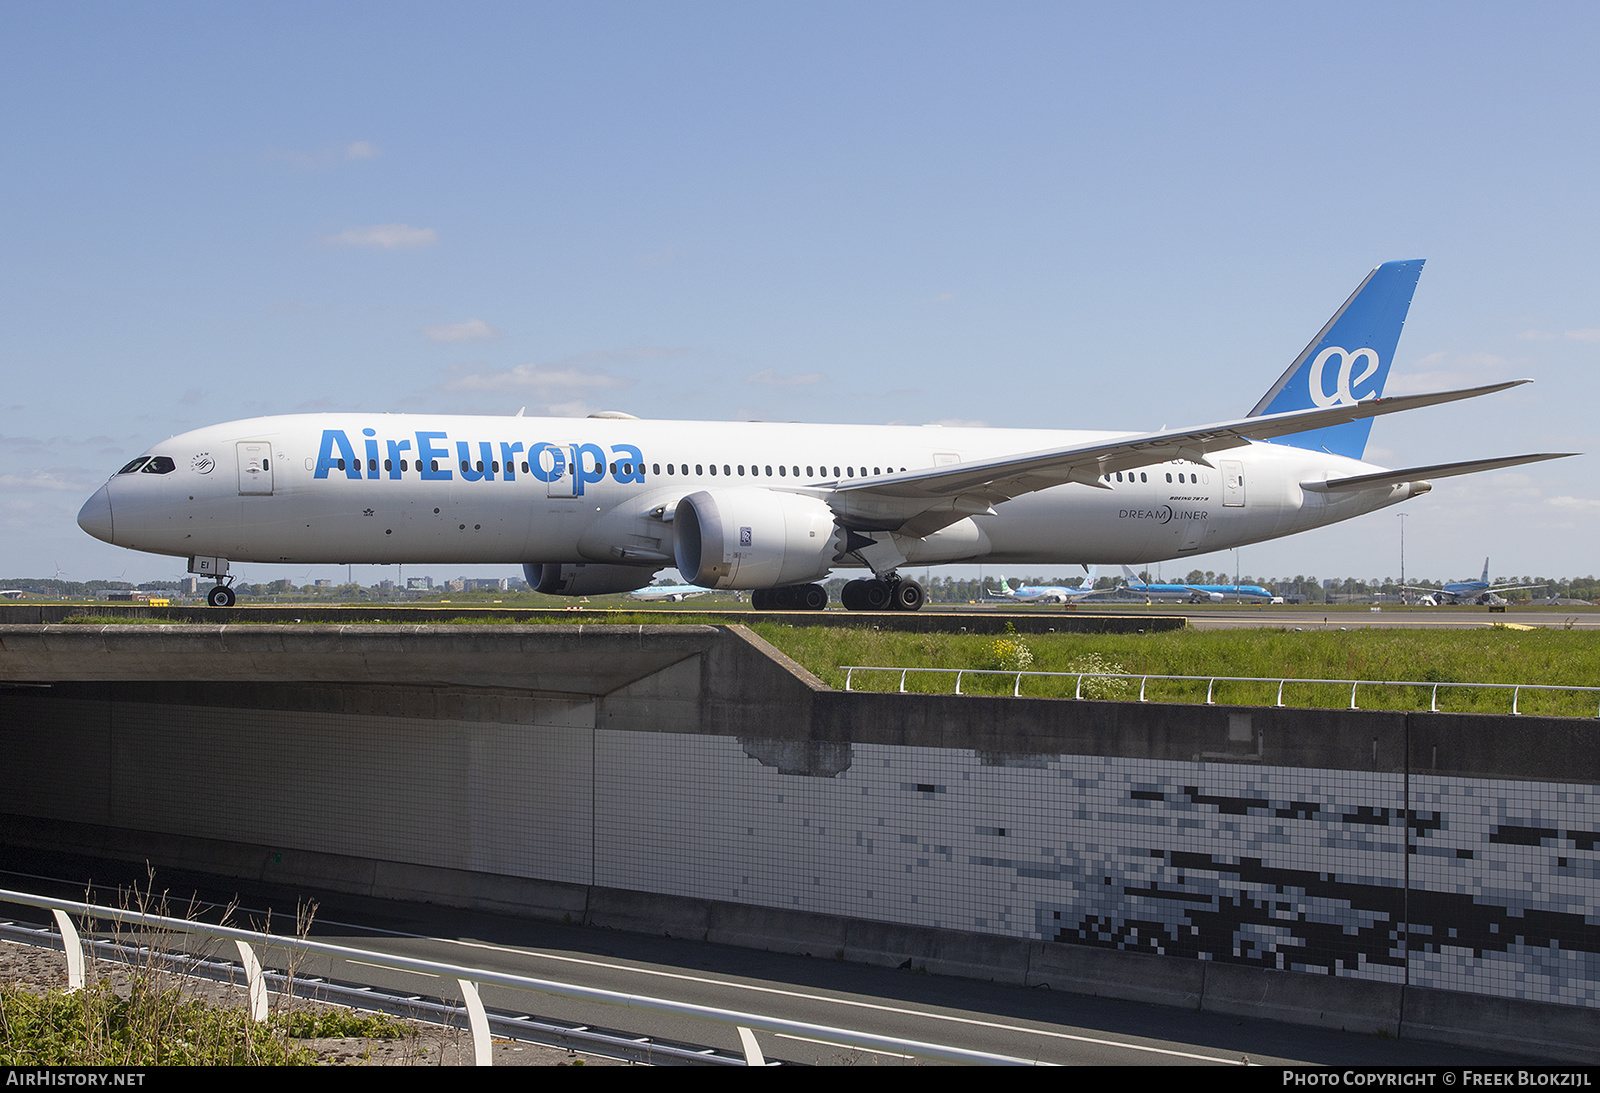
(1348, 361)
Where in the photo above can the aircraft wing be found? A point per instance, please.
(922, 501)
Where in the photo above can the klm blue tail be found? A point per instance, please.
(1348, 361)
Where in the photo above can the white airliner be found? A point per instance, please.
(598, 505)
(669, 593)
(1046, 594)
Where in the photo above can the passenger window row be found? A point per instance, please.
(1183, 476)
(728, 470)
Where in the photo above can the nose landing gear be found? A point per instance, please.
(221, 594)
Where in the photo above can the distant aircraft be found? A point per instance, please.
(669, 593)
(1469, 592)
(1195, 593)
(601, 505)
(1045, 593)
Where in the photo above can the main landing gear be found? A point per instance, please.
(893, 594)
(793, 597)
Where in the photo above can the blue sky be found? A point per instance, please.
(1096, 216)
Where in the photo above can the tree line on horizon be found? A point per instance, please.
(1303, 588)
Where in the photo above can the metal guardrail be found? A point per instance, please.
(1211, 682)
(468, 979)
(511, 1024)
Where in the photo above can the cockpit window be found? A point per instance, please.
(135, 465)
(159, 464)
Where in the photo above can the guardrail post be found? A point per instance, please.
(1016, 692)
(253, 977)
(1281, 682)
(74, 950)
(1433, 704)
(958, 683)
(903, 682)
(848, 673)
(478, 1022)
(1209, 685)
(1078, 694)
(1142, 682)
(752, 1050)
(1515, 692)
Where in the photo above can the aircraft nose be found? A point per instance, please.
(95, 516)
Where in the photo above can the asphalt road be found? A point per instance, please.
(1037, 1024)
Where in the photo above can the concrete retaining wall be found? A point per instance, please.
(1364, 870)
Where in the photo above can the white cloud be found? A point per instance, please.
(1442, 371)
(472, 330)
(1592, 334)
(769, 378)
(386, 237)
(577, 408)
(44, 480)
(1538, 336)
(568, 375)
(534, 377)
(321, 158)
(1580, 503)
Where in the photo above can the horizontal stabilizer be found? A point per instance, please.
(1438, 470)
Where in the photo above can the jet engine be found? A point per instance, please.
(744, 538)
(583, 579)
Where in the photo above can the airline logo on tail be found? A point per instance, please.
(1345, 393)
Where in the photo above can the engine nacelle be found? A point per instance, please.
(745, 538)
(584, 579)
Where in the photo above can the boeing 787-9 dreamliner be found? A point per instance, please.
(601, 504)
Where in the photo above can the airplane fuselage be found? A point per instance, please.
(374, 488)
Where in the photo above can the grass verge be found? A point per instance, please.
(1488, 655)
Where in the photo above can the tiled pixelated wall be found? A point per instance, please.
(1275, 866)
(1279, 867)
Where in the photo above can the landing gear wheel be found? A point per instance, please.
(220, 596)
(782, 598)
(907, 596)
(866, 596)
(811, 597)
(761, 599)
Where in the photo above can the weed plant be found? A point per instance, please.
(142, 1014)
